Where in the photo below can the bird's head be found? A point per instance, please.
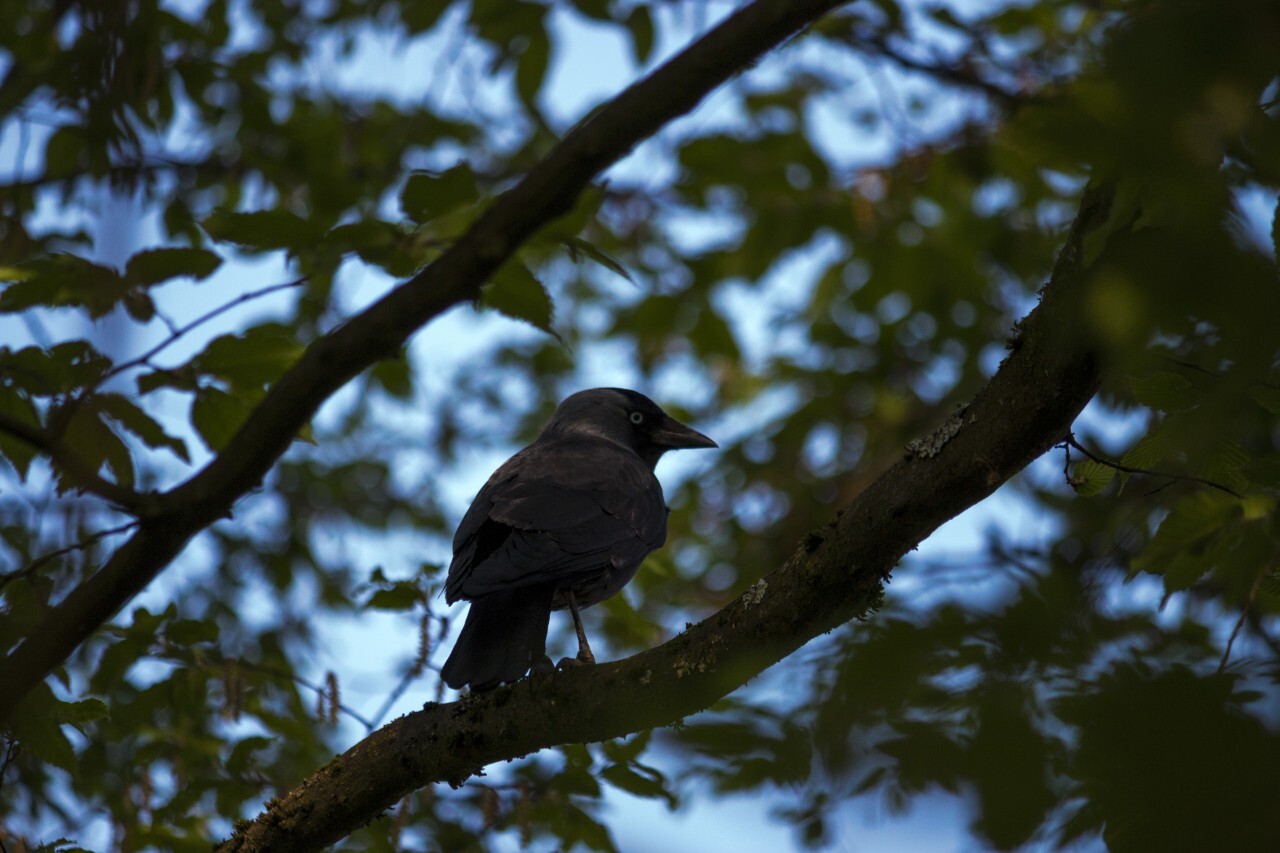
(624, 417)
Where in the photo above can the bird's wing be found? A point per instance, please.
(554, 510)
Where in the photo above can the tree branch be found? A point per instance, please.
(549, 190)
(836, 575)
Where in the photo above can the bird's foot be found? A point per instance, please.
(573, 663)
(542, 666)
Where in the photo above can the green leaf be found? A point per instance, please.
(252, 359)
(263, 230)
(531, 67)
(123, 411)
(96, 444)
(577, 246)
(640, 24)
(156, 265)
(64, 152)
(404, 595)
(1179, 550)
(35, 726)
(51, 372)
(648, 782)
(395, 376)
(18, 453)
(711, 336)
(1164, 391)
(427, 196)
(191, 632)
(63, 281)
(1267, 397)
(515, 291)
(84, 711)
(217, 415)
(1089, 478)
(378, 242)
(1152, 448)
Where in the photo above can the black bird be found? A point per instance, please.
(563, 523)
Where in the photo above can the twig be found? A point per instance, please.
(1248, 605)
(11, 750)
(168, 651)
(179, 332)
(85, 477)
(947, 73)
(38, 562)
(1071, 442)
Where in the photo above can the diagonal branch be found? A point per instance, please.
(549, 190)
(836, 575)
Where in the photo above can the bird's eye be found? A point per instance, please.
(637, 417)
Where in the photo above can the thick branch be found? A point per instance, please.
(548, 191)
(835, 576)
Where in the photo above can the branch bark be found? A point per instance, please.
(835, 575)
(549, 190)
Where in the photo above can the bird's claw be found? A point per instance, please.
(573, 663)
(543, 666)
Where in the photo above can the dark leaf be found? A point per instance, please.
(157, 265)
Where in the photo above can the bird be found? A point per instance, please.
(565, 522)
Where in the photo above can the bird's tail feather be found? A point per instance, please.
(504, 635)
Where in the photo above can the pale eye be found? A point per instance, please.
(637, 418)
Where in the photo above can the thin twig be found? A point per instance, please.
(1070, 441)
(947, 73)
(1248, 605)
(11, 750)
(146, 357)
(32, 567)
(171, 652)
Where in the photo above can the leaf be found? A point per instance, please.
(712, 336)
(252, 359)
(576, 246)
(395, 376)
(1267, 397)
(427, 196)
(1089, 478)
(1152, 448)
(515, 291)
(87, 435)
(18, 453)
(34, 726)
(156, 265)
(646, 783)
(217, 415)
(378, 242)
(640, 24)
(51, 372)
(63, 281)
(123, 411)
(1163, 391)
(84, 711)
(402, 596)
(1179, 548)
(262, 229)
(531, 67)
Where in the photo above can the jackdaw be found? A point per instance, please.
(563, 523)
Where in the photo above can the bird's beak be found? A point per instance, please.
(677, 436)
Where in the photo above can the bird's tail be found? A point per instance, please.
(504, 635)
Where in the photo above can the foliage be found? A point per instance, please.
(820, 268)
